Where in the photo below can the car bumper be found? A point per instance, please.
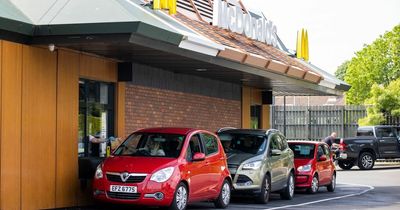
(247, 181)
(303, 179)
(148, 192)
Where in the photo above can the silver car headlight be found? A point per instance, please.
(252, 165)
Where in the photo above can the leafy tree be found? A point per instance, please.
(341, 70)
(384, 99)
(377, 63)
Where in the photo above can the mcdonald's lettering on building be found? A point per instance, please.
(233, 18)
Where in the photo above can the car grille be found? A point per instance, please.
(233, 168)
(125, 196)
(131, 179)
(243, 179)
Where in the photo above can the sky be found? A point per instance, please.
(336, 28)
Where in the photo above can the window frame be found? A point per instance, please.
(190, 159)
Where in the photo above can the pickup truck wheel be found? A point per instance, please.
(366, 161)
(345, 165)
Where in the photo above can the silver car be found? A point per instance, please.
(260, 162)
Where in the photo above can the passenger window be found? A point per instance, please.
(327, 152)
(320, 152)
(284, 143)
(275, 142)
(194, 147)
(385, 132)
(211, 144)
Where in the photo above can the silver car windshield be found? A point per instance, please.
(243, 143)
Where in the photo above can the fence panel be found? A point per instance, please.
(317, 122)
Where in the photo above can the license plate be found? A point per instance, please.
(123, 189)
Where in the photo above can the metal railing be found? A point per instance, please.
(316, 122)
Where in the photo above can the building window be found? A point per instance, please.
(96, 117)
(255, 114)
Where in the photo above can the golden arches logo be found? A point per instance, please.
(302, 44)
(170, 5)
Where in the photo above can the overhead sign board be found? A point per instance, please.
(234, 19)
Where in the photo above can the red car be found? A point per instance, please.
(165, 167)
(314, 165)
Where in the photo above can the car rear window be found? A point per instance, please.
(302, 150)
(365, 132)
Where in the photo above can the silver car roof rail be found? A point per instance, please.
(272, 130)
(225, 129)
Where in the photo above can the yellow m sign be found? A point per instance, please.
(302, 44)
(165, 4)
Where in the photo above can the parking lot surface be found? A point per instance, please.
(356, 189)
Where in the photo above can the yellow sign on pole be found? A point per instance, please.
(302, 45)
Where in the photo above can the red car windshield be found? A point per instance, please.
(305, 151)
(151, 145)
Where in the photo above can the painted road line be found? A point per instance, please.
(328, 199)
(392, 170)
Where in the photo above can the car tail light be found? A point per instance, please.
(342, 145)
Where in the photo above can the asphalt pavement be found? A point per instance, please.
(356, 189)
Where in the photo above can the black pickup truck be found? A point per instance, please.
(370, 144)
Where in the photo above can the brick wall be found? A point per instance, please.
(152, 107)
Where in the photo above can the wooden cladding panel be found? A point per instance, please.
(246, 101)
(67, 182)
(11, 57)
(256, 97)
(38, 128)
(265, 117)
(120, 112)
(95, 68)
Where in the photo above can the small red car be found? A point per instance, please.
(314, 165)
(165, 167)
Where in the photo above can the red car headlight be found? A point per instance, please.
(99, 171)
(162, 175)
(305, 168)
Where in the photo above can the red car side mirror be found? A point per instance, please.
(198, 156)
(322, 158)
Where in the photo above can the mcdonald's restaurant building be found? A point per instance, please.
(71, 69)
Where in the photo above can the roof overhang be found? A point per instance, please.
(137, 47)
(140, 34)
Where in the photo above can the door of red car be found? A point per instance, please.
(214, 161)
(322, 165)
(196, 170)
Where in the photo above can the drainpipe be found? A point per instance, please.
(284, 116)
